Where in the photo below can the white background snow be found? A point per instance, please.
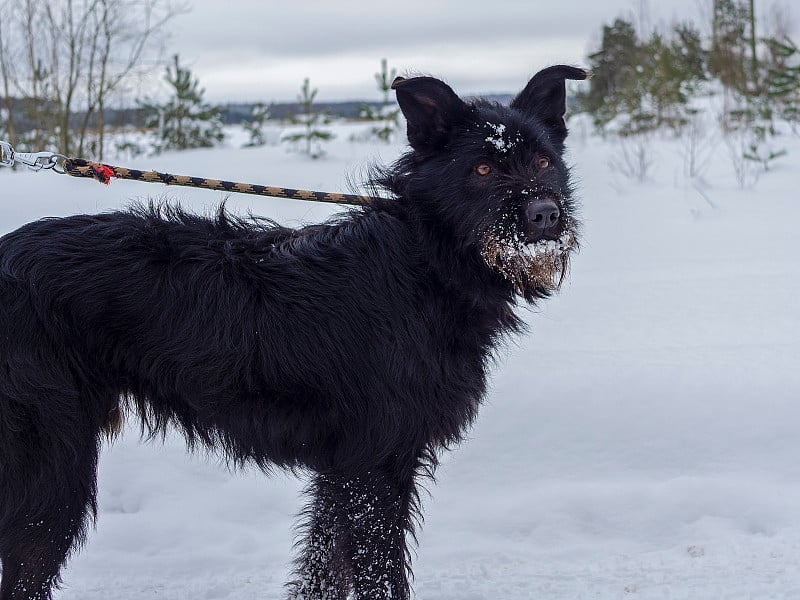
(640, 442)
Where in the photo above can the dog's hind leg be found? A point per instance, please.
(47, 488)
(50, 516)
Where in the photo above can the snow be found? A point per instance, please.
(640, 442)
(543, 247)
(497, 137)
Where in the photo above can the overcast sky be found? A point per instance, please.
(251, 50)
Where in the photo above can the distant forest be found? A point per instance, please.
(231, 113)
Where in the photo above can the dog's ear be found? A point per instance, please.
(430, 107)
(545, 97)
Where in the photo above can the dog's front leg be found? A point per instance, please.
(323, 567)
(379, 518)
(355, 538)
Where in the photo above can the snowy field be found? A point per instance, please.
(640, 442)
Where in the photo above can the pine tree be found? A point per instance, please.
(778, 97)
(782, 80)
(687, 47)
(311, 135)
(259, 114)
(384, 80)
(644, 85)
(185, 120)
(675, 72)
(615, 67)
(388, 119)
(727, 60)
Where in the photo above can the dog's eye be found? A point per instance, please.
(483, 169)
(543, 162)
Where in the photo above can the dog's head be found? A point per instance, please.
(494, 175)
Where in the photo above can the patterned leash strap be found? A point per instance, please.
(79, 167)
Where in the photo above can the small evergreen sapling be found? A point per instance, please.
(387, 116)
(760, 133)
(185, 120)
(311, 136)
(777, 99)
(259, 114)
(783, 78)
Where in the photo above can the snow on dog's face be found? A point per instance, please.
(529, 230)
(501, 183)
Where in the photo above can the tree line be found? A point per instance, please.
(63, 63)
(647, 81)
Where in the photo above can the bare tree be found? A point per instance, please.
(71, 56)
(4, 73)
(635, 157)
(698, 143)
(125, 28)
(67, 25)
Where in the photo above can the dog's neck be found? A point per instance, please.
(458, 270)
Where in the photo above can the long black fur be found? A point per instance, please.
(356, 349)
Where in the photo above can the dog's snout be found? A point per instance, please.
(543, 217)
(543, 213)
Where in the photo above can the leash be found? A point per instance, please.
(79, 167)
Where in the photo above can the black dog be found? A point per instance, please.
(357, 349)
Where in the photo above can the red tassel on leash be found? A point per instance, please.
(102, 173)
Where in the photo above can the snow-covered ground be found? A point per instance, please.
(641, 442)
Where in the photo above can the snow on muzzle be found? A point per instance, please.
(543, 263)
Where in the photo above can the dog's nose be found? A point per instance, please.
(543, 217)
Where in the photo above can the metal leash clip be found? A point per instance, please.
(36, 161)
(6, 154)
